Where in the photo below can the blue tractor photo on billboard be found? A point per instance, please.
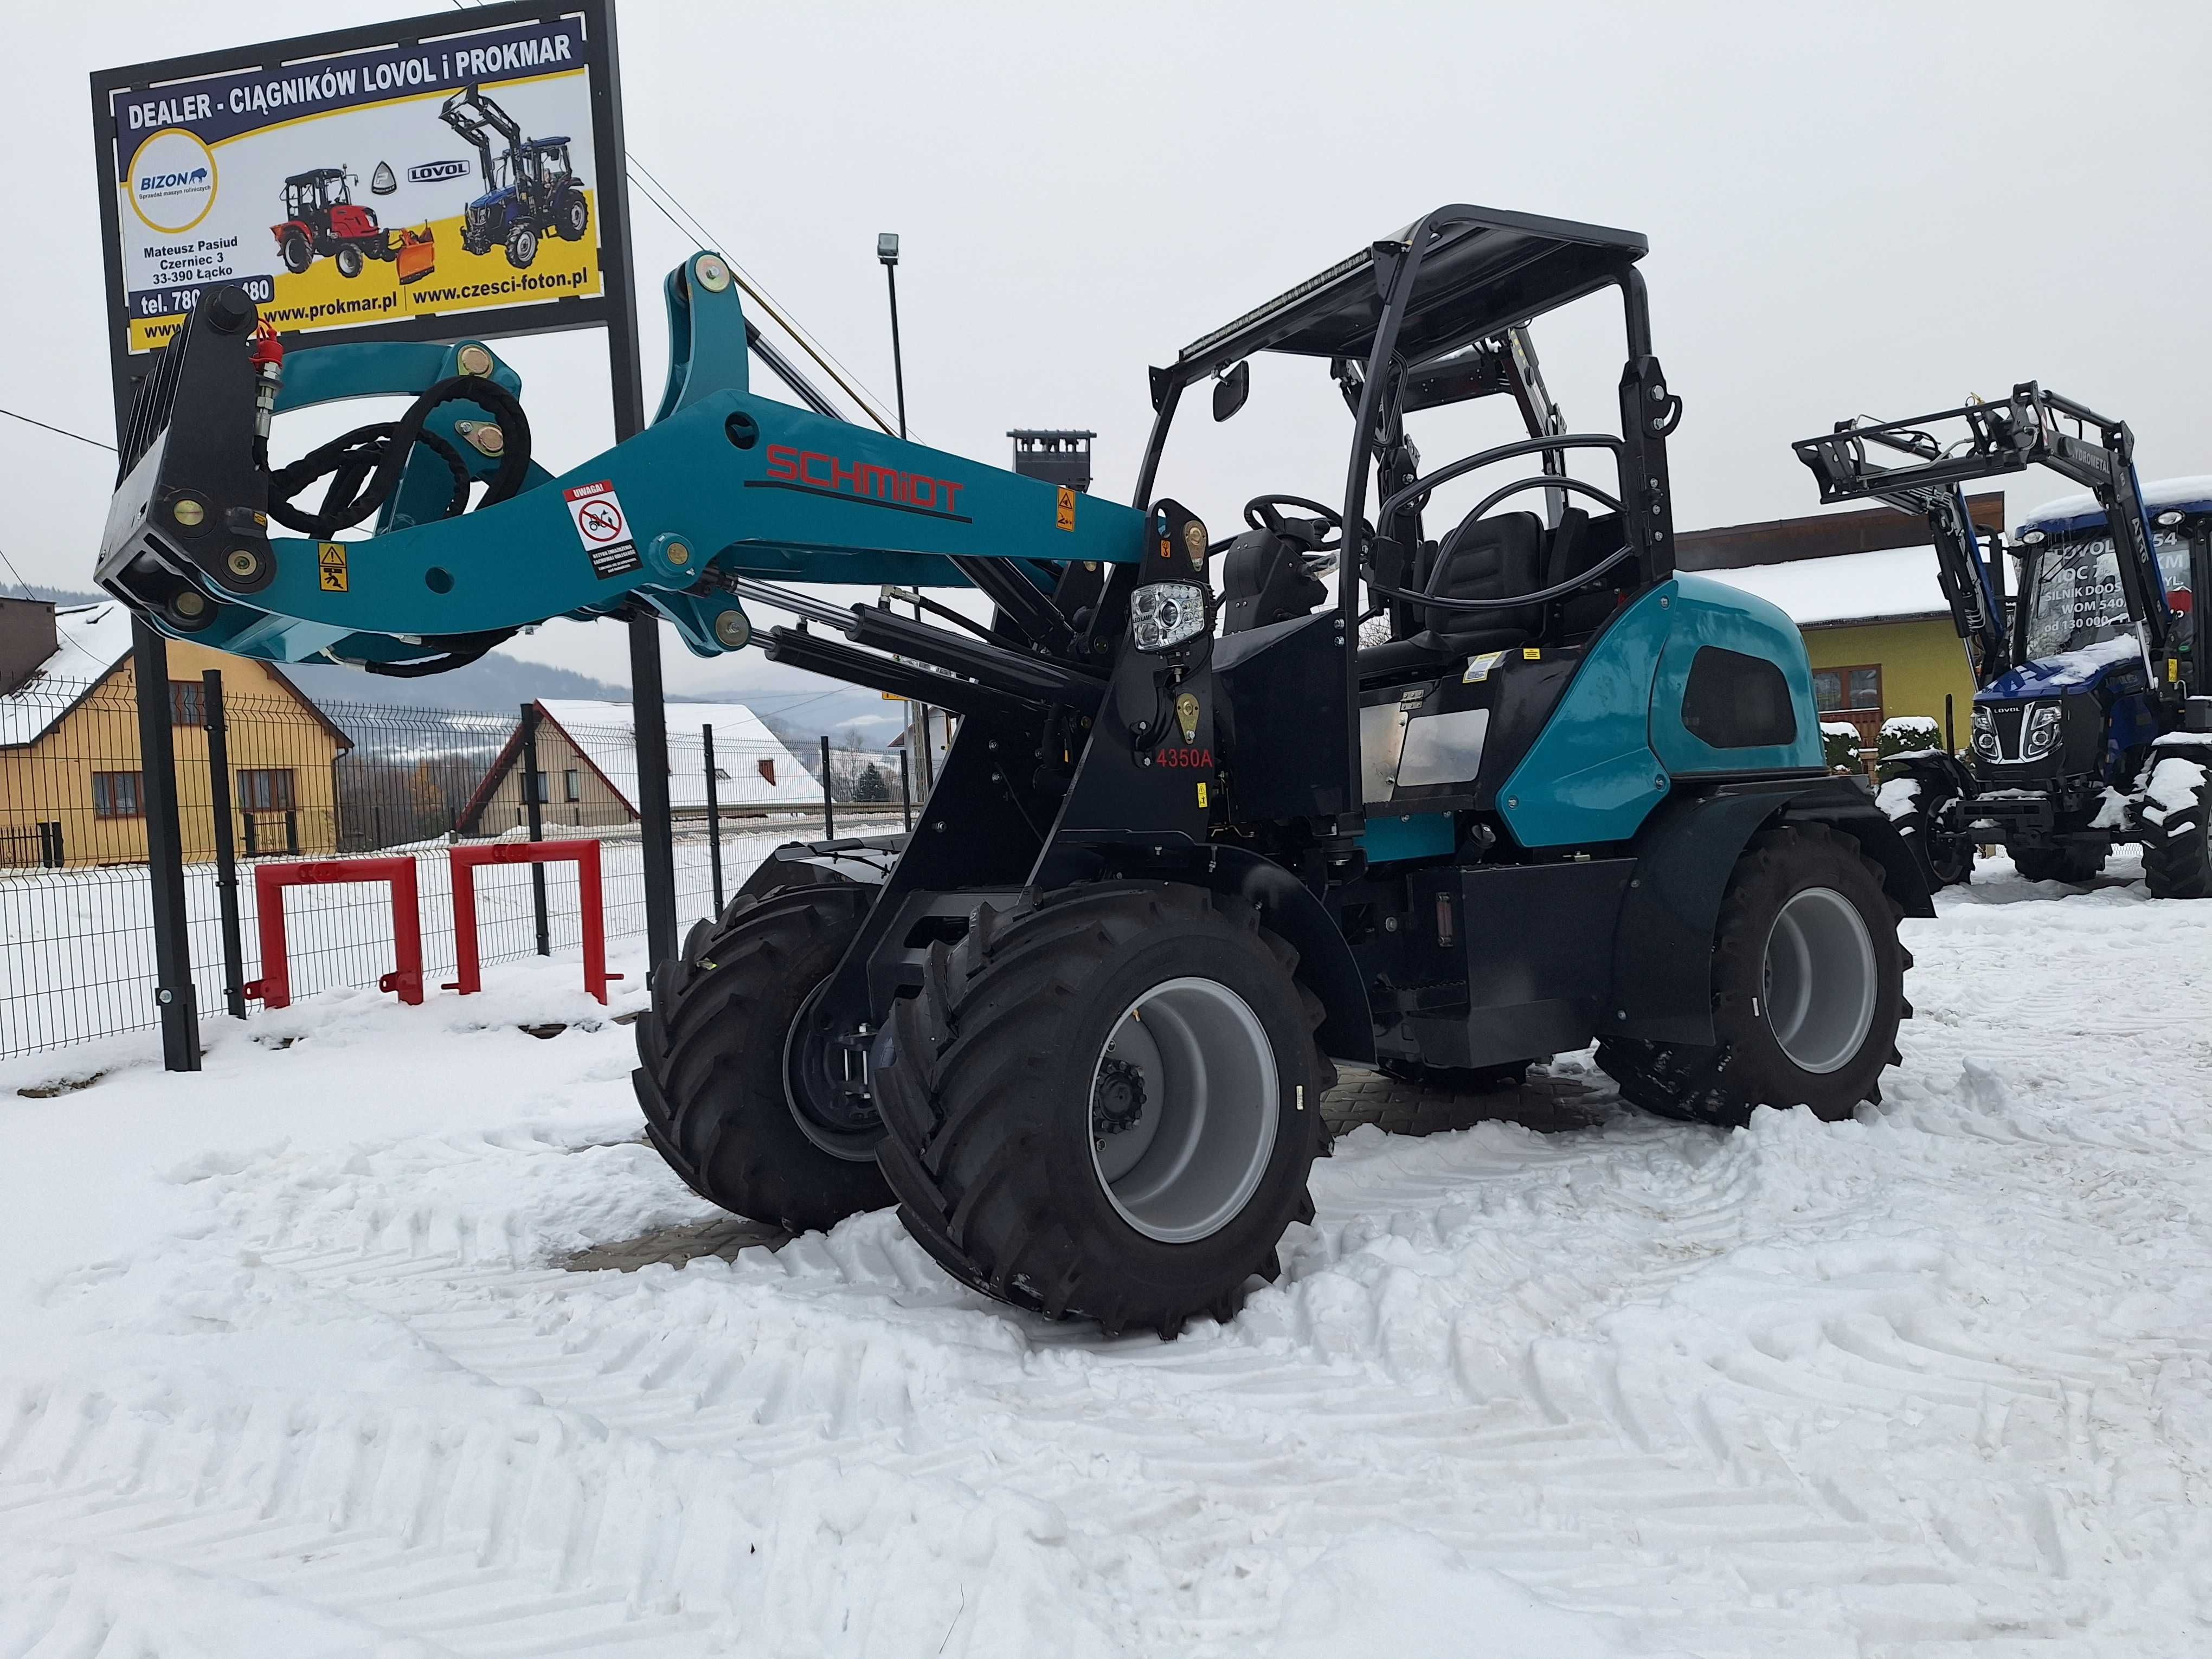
(530, 186)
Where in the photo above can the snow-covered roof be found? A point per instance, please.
(1889, 585)
(91, 639)
(605, 734)
(2071, 512)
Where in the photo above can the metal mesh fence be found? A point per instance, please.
(303, 781)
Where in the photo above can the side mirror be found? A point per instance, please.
(1231, 391)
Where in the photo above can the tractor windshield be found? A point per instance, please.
(2077, 599)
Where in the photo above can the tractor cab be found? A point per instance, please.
(310, 195)
(2079, 698)
(541, 166)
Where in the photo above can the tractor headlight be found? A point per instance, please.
(2042, 734)
(1985, 734)
(1162, 614)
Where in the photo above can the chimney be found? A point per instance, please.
(27, 639)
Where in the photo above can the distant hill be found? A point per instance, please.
(498, 684)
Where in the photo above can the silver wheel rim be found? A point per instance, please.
(1820, 981)
(1184, 1100)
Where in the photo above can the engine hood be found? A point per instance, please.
(2071, 672)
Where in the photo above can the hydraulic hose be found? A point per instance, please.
(364, 465)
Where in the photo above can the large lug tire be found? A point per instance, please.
(299, 254)
(572, 217)
(521, 246)
(1808, 988)
(2068, 861)
(1949, 860)
(1915, 801)
(350, 262)
(2177, 816)
(1105, 1103)
(712, 1052)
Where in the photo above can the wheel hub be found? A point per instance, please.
(1819, 983)
(1184, 1104)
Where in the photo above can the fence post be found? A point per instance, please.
(173, 999)
(226, 842)
(829, 808)
(906, 792)
(713, 816)
(533, 807)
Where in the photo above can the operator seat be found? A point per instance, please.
(1493, 558)
(1579, 543)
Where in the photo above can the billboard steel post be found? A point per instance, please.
(226, 841)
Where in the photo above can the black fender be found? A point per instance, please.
(863, 861)
(1326, 965)
(1664, 946)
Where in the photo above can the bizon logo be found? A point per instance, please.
(172, 181)
(432, 173)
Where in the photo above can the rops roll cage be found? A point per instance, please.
(1405, 312)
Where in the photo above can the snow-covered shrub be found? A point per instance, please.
(1839, 745)
(1908, 733)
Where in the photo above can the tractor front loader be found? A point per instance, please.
(530, 188)
(2091, 726)
(1196, 844)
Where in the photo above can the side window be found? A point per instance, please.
(1736, 702)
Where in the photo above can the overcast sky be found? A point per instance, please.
(1878, 208)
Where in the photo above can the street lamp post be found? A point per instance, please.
(887, 245)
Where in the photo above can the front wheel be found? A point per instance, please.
(1106, 1103)
(521, 246)
(1808, 988)
(349, 263)
(713, 1054)
(2177, 813)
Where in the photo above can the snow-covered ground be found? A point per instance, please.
(289, 1366)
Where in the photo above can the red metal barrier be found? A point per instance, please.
(584, 855)
(274, 988)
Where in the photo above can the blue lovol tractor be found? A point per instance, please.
(1198, 843)
(530, 187)
(2090, 723)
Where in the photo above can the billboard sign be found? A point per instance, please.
(454, 176)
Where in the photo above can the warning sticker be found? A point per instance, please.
(330, 565)
(603, 529)
(1064, 517)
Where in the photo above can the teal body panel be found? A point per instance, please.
(1417, 835)
(1707, 612)
(726, 482)
(1608, 755)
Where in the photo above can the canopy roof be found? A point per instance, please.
(1487, 270)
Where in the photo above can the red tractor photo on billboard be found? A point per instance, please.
(321, 219)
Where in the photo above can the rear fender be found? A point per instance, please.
(1325, 966)
(863, 861)
(1664, 948)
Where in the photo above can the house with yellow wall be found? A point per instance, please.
(72, 783)
(1862, 590)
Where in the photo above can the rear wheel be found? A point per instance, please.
(299, 253)
(521, 246)
(2177, 825)
(1808, 990)
(714, 1050)
(350, 262)
(1106, 1103)
(572, 217)
(2068, 861)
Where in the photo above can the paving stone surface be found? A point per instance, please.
(1543, 1102)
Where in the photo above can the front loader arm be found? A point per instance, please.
(2000, 438)
(725, 484)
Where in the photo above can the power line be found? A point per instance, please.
(58, 431)
(16, 574)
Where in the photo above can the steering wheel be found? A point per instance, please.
(1259, 514)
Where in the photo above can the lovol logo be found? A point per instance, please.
(434, 173)
(172, 181)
